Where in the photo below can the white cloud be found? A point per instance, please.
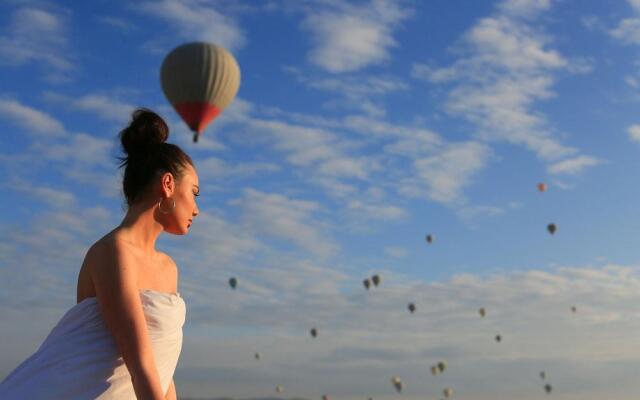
(35, 121)
(525, 8)
(349, 38)
(38, 35)
(194, 20)
(573, 165)
(446, 173)
(287, 219)
(103, 106)
(628, 30)
(634, 132)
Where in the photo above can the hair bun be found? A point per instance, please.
(145, 130)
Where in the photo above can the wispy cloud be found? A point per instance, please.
(194, 20)
(634, 132)
(628, 30)
(35, 122)
(573, 165)
(41, 36)
(349, 37)
(105, 107)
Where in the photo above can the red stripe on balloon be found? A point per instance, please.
(197, 115)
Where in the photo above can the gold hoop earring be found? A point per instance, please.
(160, 206)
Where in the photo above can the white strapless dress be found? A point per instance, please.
(79, 359)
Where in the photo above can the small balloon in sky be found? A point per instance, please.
(397, 383)
(325, 397)
(447, 392)
(257, 356)
(442, 366)
(547, 388)
(552, 228)
(482, 312)
(376, 279)
(434, 370)
(314, 332)
(430, 238)
(366, 283)
(574, 309)
(498, 338)
(542, 187)
(412, 308)
(279, 389)
(543, 375)
(233, 282)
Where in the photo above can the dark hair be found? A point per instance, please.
(147, 153)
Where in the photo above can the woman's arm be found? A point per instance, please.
(171, 392)
(116, 282)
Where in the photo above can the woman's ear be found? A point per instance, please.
(168, 184)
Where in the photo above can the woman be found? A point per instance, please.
(123, 338)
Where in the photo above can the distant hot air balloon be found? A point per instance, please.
(542, 187)
(482, 312)
(552, 228)
(430, 238)
(411, 307)
(442, 366)
(366, 283)
(314, 332)
(498, 338)
(325, 397)
(376, 279)
(448, 392)
(547, 388)
(543, 375)
(199, 80)
(257, 356)
(434, 370)
(397, 383)
(279, 389)
(574, 309)
(233, 282)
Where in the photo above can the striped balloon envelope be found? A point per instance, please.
(200, 80)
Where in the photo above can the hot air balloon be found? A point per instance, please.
(543, 375)
(366, 283)
(547, 388)
(448, 392)
(574, 309)
(430, 239)
(542, 187)
(376, 280)
(279, 389)
(552, 228)
(233, 282)
(199, 80)
(434, 370)
(442, 366)
(397, 383)
(411, 307)
(498, 338)
(325, 397)
(257, 356)
(482, 312)
(314, 332)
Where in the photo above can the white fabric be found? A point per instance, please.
(79, 359)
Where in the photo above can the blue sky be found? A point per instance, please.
(358, 128)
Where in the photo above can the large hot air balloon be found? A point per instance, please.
(199, 80)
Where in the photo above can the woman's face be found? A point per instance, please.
(179, 220)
